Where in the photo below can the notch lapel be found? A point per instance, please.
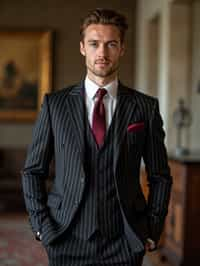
(124, 112)
(76, 109)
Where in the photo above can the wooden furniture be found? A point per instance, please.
(11, 162)
(181, 241)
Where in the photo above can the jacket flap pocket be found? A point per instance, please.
(54, 200)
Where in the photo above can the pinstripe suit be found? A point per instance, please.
(59, 133)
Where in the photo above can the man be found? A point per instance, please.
(97, 132)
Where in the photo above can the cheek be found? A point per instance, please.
(115, 54)
(115, 57)
(88, 62)
(90, 57)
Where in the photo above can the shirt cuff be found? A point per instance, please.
(152, 244)
(38, 236)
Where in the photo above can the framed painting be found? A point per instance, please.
(25, 73)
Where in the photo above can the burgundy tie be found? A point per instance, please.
(99, 120)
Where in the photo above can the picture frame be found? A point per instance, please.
(25, 73)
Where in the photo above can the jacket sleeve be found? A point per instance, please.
(36, 168)
(158, 174)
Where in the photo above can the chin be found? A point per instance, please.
(103, 73)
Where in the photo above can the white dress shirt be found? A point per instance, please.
(109, 100)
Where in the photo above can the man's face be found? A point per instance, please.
(102, 49)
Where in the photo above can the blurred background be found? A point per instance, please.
(39, 52)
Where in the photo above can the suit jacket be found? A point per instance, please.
(59, 134)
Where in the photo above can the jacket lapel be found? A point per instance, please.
(126, 104)
(76, 109)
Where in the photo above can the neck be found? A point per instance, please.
(101, 81)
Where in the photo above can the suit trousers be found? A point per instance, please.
(71, 250)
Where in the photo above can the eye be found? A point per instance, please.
(112, 44)
(93, 44)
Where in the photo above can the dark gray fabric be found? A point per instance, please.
(71, 250)
(100, 208)
(60, 133)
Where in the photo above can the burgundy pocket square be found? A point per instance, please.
(135, 127)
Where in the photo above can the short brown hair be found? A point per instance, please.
(106, 17)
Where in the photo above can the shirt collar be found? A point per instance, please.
(91, 88)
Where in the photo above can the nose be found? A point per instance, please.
(102, 51)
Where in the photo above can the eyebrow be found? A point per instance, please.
(94, 40)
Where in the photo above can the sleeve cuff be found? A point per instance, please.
(152, 244)
(38, 236)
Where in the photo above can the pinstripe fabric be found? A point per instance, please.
(59, 133)
(98, 251)
(100, 206)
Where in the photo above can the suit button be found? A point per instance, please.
(82, 180)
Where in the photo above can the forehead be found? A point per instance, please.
(102, 32)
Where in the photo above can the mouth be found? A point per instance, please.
(102, 63)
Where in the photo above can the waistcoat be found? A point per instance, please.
(99, 208)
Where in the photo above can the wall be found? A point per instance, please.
(180, 64)
(195, 97)
(153, 38)
(64, 18)
(179, 57)
(147, 10)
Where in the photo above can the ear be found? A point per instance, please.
(122, 49)
(82, 48)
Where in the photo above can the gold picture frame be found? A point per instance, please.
(25, 73)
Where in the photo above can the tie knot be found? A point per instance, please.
(100, 93)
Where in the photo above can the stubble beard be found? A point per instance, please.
(103, 73)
